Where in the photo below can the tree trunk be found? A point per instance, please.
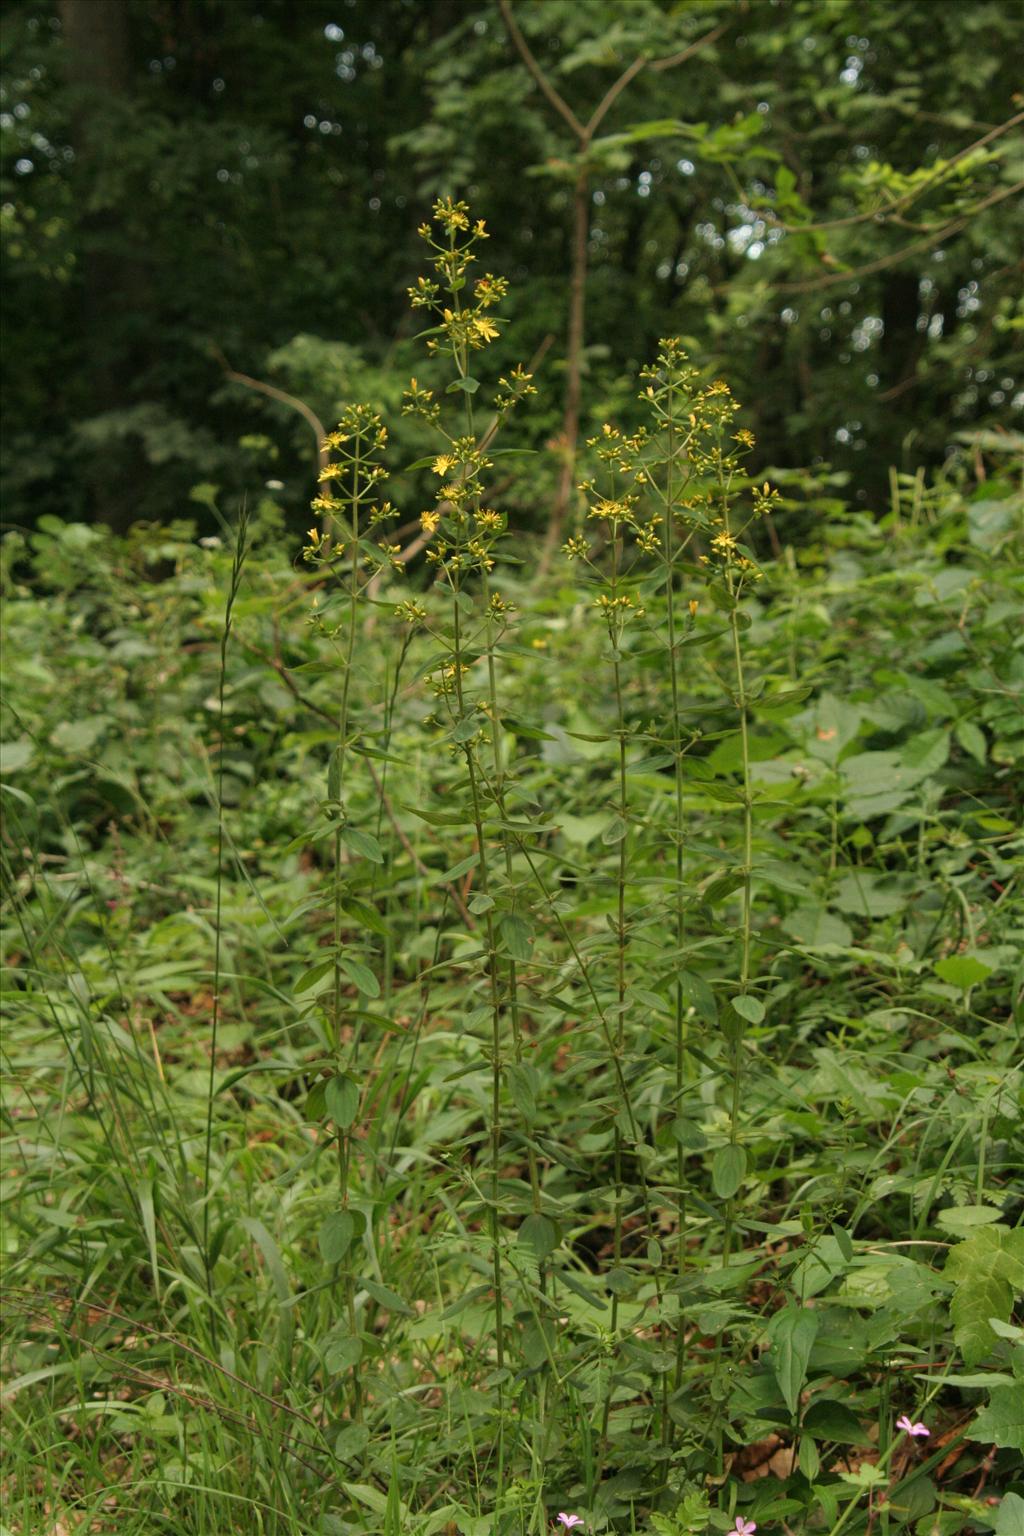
(573, 365)
(98, 70)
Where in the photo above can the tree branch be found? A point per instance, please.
(273, 393)
(944, 233)
(559, 103)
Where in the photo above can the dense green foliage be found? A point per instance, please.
(518, 1043)
(799, 200)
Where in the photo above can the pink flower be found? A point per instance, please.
(568, 1521)
(744, 1527)
(904, 1423)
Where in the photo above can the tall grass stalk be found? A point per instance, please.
(239, 554)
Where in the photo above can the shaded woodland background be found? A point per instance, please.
(191, 186)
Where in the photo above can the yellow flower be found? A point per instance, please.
(429, 522)
(486, 330)
(443, 463)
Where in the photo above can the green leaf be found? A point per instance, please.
(335, 1236)
(342, 1099)
(540, 1234)
(311, 979)
(728, 1169)
(468, 384)
(362, 912)
(923, 755)
(385, 1297)
(523, 1085)
(697, 994)
(342, 1354)
(749, 1008)
(962, 1220)
(972, 739)
(827, 1419)
(987, 1270)
(815, 928)
(1002, 1421)
(962, 971)
(352, 1442)
(1010, 1516)
(792, 1332)
(362, 843)
(615, 831)
(15, 755)
(517, 936)
(360, 975)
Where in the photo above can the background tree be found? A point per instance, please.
(814, 198)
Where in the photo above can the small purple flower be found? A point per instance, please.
(744, 1527)
(568, 1521)
(909, 1428)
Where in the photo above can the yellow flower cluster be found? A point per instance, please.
(350, 500)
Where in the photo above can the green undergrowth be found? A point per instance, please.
(484, 1042)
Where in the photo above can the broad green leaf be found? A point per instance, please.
(385, 1297)
(962, 1220)
(987, 1270)
(342, 1354)
(1001, 1422)
(516, 934)
(827, 1419)
(311, 979)
(749, 1008)
(335, 1236)
(962, 971)
(923, 755)
(972, 739)
(360, 975)
(15, 755)
(615, 831)
(362, 843)
(1009, 1517)
(728, 1168)
(792, 1333)
(341, 1096)
(540, 1234)
(524, 1085)
(814, 928)
(352, 1442)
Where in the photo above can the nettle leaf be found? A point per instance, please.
(864, 894)
(792, 1332)
(963, 971)
(1002, 1421)
(923, 755)
(987, 1271)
